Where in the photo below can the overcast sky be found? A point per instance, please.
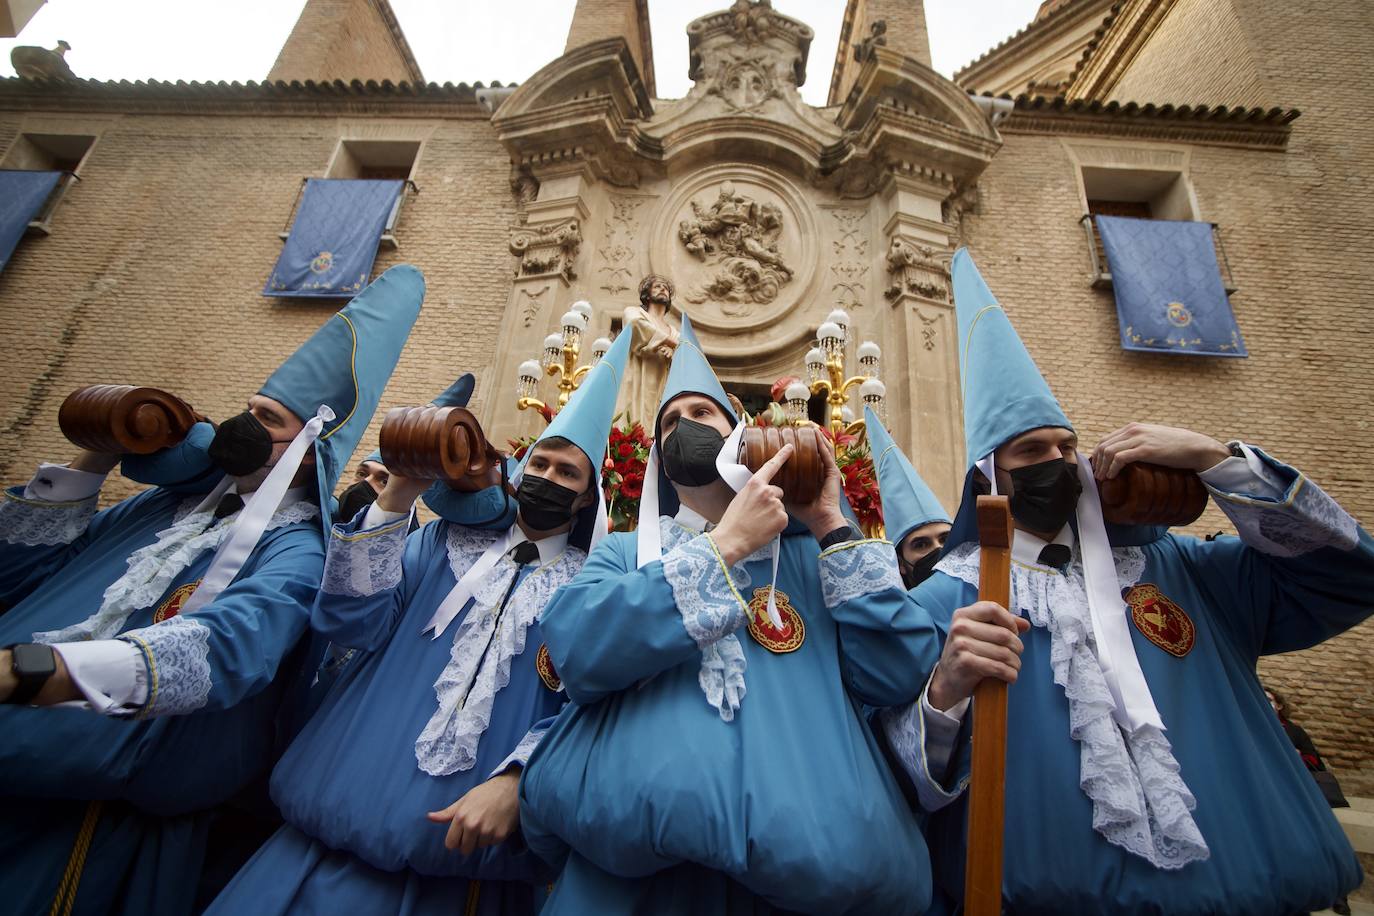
(454, 40)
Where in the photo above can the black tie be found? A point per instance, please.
(1056, 555)
(525, 552)
(228, 505)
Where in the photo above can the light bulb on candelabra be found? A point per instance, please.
(873, 392)
(553, 350)
(815, 364)
(527, 379)
(796, 396)
(599, 348)
(574, 323)
(840, 317)
(846, 414)
(831, 337)
(869, 354)
(583, 308)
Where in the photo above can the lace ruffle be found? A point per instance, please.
(487, 641)
(178, 655)
(154, 567)
(362, 564)
(1140, 801)
(1312, 520)
(857, 568)
(36, 523)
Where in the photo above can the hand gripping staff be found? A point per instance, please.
(988, 781)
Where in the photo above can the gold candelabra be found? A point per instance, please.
(559, 359)
(825, 373)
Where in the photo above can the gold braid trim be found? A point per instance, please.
(71, 878)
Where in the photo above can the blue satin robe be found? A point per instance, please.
(350, 788)
(205, 733)
(658, 804)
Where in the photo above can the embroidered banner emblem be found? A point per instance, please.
(544, 665)
(781, 641)
(1160, 620)
(172, 606)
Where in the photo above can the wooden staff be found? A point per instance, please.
(988, 782)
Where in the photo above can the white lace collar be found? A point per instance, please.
(550, 548)
(1026, 547)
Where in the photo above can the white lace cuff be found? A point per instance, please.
(923, 740)
(705, 594)
(42, 523)
(856, 568)
(177, 653)
(363, 563)
(521, 755)
(1301, 518)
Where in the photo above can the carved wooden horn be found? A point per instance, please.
(801, 477)
(437, 443)
(124, 419)
(1150, 494)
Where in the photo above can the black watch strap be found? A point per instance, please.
(844, 533)
(32, 664)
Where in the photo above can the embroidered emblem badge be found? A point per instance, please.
(1160, 620)
(544, 665)
(322, 262)
(174, 601)
(781, 641)
(1178, 314)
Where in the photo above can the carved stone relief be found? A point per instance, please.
(548, 249)
(850, 267)
(736, 237)
(915, 270)
(530, 303)
(617, 251)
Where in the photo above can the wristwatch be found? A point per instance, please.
(846, 532)
(32, 664)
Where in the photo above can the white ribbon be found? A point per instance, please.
(1115, 650)
(257, 512)
(458, 596)
(736, 476)
(648, 539)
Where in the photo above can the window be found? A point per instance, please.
(49, 153)
(379, 159)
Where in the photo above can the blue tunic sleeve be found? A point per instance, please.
(230, 649)
(888, 645)
(1303, 565)
(38, 537)
(365, 589)
(616, 625)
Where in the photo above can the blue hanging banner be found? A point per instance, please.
(22, 194)
(334, 238)
(1169, 294)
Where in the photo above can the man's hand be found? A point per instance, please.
(822, 515)
(1163, 445)
(57, 689)
(400, 493)
(982, 643)
(756, 514)
(485, 816)
(95, 462)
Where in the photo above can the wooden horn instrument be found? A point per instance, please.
(125, 419)
(1150, 494)
(437, 443)
(802, 475)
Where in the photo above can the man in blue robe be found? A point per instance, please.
(400, 793)
(175, 618)
(1111, 638)
(715, 758)
(916, 523)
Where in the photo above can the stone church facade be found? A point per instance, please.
(766, 212)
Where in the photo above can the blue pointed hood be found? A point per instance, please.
(691, 373)
(1004, 393)
(346, 365)
(907, 502)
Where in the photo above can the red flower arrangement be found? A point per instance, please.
(622, 477)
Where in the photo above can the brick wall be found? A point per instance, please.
(153, 273)
(1178, 65)
(341, 39)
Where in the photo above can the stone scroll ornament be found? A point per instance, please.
(737, 237)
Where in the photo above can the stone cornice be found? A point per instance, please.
(1029, 40)
(1213, 125)
(331, 98)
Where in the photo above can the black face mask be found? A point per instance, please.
(544, 504)
(913, 574)
(1044, 495)
(355, 499)
(689, 454)
(241, 445)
